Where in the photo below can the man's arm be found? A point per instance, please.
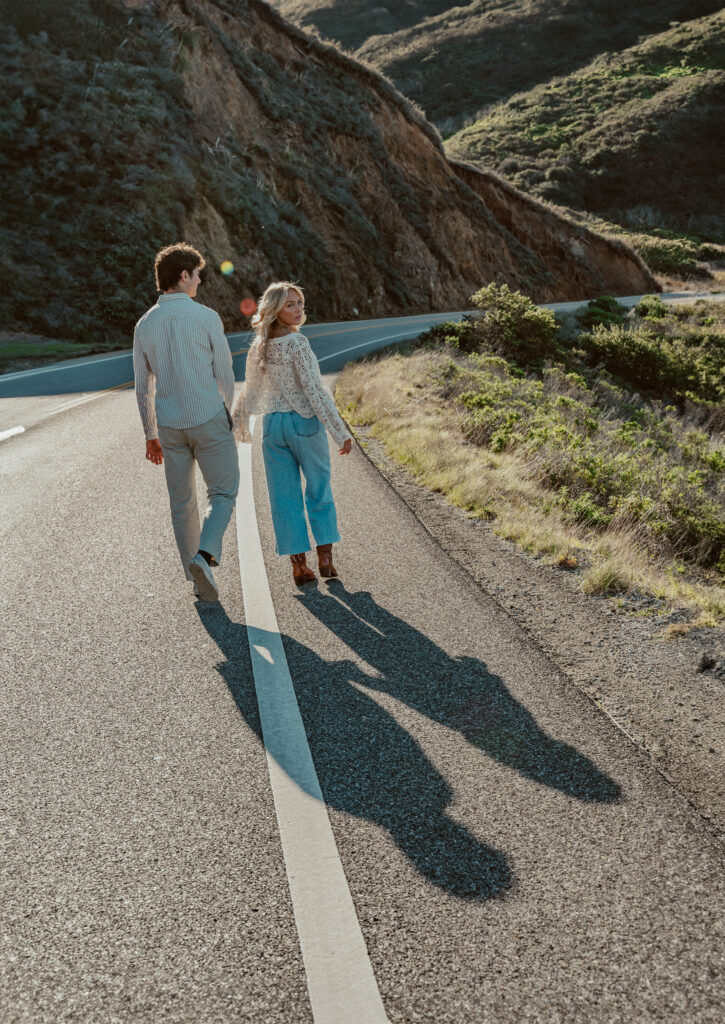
(145, 390)
(222, 362)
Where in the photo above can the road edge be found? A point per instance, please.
(379, 462)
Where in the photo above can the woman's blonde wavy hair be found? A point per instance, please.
(263, 320)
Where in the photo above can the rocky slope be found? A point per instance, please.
(128, 124)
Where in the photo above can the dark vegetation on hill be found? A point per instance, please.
(635, 137)
(351, 22)
(628, 143)
(129, 124)
(455, 59)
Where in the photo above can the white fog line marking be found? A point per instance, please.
(379, 342)
(87, 398)
(5, 434)
(68, 366)
(340, 979)
(74, 402)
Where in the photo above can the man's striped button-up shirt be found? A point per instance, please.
(182, 364)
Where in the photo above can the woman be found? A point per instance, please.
(283, 382)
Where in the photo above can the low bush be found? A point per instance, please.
(650, 307)
(510, 325)
(635, 355)
(605, 462)
(671, 353)
(678, 257)
(616, 428)
(604, 310)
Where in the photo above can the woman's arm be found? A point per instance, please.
(240, 418)
(308, 373)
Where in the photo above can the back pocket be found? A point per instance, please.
(304, 426)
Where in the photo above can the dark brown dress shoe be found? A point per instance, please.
(324, 561)
(300, 570)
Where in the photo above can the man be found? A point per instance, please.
(185, 391)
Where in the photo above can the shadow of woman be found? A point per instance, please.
(367, 764)
(458, 692)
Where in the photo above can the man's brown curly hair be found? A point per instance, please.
(172, 260)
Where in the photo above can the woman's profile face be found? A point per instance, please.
(291, 313)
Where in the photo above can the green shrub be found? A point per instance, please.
(647, 357)
(676, 256)
(634, 355)
(650, 307)
(512, 325)
(679, 355)
(459, 334)
(605, 462)
(604, 310)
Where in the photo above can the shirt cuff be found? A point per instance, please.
(341, 438)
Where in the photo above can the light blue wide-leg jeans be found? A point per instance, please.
(292, 443)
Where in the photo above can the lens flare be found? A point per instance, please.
(248, 306)
(227, 268)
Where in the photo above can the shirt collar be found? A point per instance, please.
(174, 296)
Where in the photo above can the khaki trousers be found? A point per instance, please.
(212, 446)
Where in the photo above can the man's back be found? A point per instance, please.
(182, 364)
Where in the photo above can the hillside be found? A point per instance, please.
(455, 59)
(128, 124)
(634, 136)
(351, 22)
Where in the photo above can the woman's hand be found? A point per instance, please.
(346, 448)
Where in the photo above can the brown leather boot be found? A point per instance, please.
(324, 561)
(300, 570)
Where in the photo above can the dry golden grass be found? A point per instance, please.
(395, 398)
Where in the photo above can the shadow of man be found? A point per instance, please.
(458, 692)
(367, 764)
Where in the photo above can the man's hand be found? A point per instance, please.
(346, 448)
(154, 453)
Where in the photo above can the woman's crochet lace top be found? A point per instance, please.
(289, 381)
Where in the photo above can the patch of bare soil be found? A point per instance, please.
(667, 696)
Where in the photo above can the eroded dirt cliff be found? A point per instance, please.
(410, 230)
(216, 121)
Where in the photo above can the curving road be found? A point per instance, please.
(29, 396)
(61, 386)
(376, 800)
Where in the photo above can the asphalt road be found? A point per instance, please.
(510, 856)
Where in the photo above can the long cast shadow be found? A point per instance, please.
(367, 764)
(458, 692)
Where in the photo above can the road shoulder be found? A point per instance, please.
(665, 696)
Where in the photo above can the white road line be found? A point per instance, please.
(4, 434)
(340, 979)
(74, 402)
(91, 397)
(68, 366)
(379, 342)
